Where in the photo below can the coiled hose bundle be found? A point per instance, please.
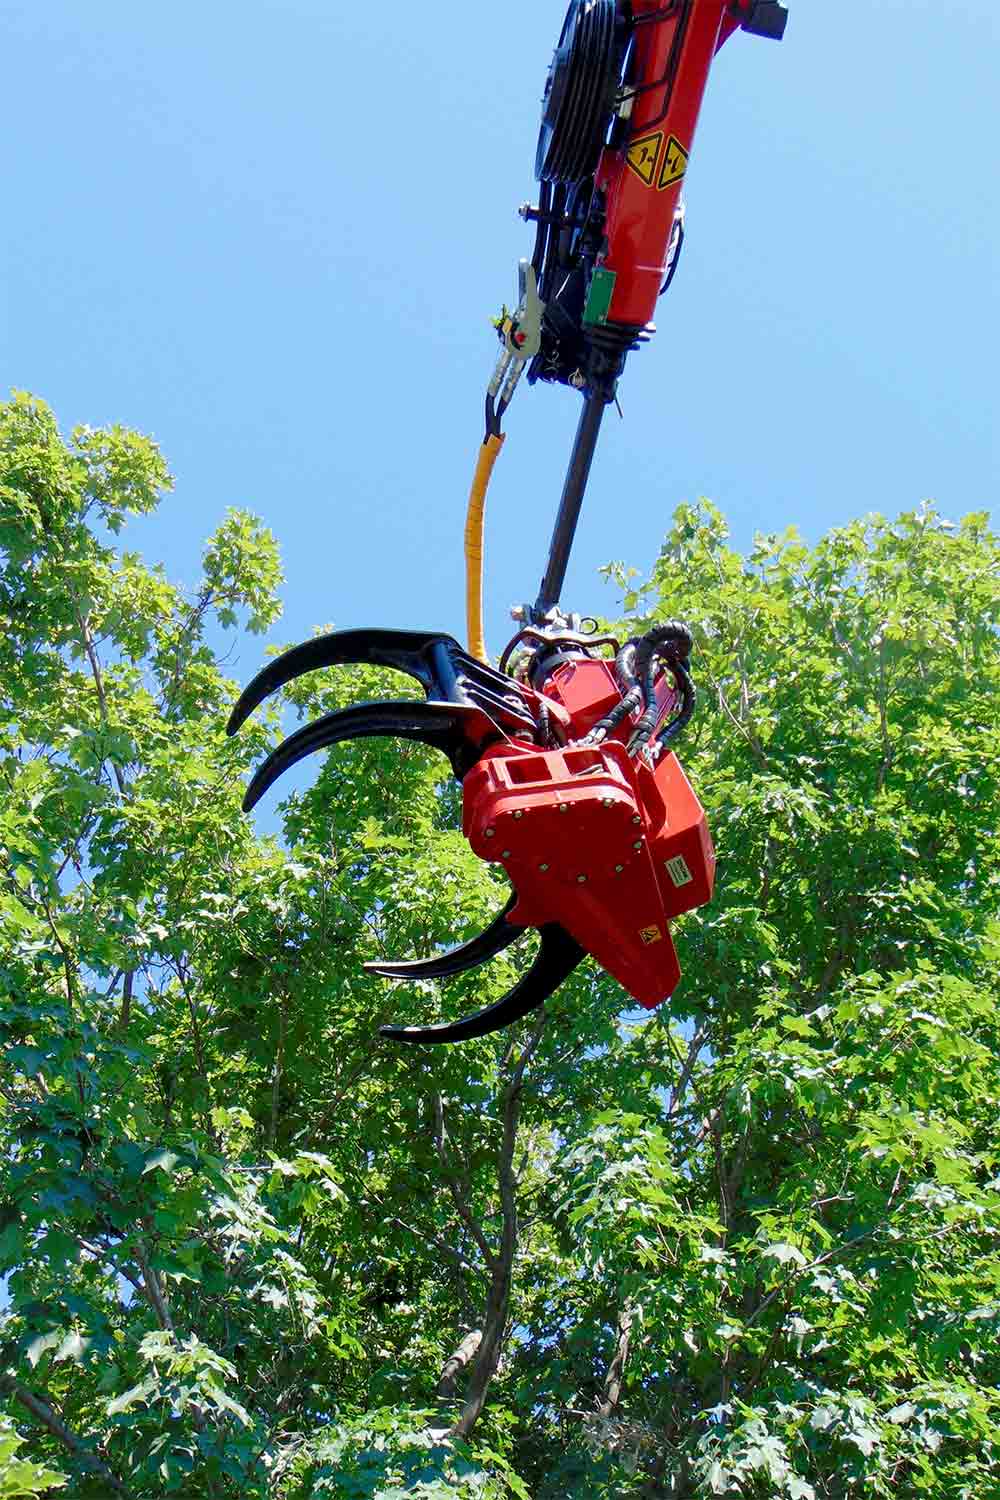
(636, 667)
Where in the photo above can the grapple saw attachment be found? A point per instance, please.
(567, 780)
(567, 785)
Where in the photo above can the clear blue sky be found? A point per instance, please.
(272, 235)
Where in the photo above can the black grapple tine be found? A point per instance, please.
(558, 956)
(404, 650)
(486, 944)
(440, 725)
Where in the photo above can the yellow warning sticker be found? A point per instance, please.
(642, 156)
(650, 935)
(675, 161)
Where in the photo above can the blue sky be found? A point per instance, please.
(273, 235)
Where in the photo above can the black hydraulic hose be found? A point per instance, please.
(635, 669)
(631, 698)
(625, 666)
(551, 262)
(675, 260)
(651, 711)
(671, 730)
(670, 73)
(545, 724)
(542, 229)
(611, 720)
(670, 642)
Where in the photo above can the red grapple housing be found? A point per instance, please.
(607, 846)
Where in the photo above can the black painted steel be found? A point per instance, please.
(409, 651)
(440, 725)
(568, 514)
(485, 945)
(444, 669)
(558, 956)
(468, 704)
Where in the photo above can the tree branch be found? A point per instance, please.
(459, 1190)
(196, 614)
(96, 673)
(101, 1253)
(679, 1089)
(760, 755)
(42, 1412)
(435, 1240)
(154, 1291)
(846, 1248)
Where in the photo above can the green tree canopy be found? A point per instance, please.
(747, 1246)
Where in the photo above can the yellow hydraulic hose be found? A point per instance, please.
(474, 521)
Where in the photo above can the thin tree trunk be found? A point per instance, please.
(277, 1071)
(459, 1361)
(125, 1014)
(616, 1369)
(501, 1262)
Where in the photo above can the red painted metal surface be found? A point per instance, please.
(610, 848)
(643, 178)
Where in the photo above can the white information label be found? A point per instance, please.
(678, 871)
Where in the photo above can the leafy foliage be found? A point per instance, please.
(20, 1479)
(748, 1247)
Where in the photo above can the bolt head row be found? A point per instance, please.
(580, 879)
(563, 808)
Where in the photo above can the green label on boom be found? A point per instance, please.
(602, 287)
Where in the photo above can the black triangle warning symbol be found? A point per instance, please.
(675, 160)
(642, 155)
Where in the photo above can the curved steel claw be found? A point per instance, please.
(409, 651)
(557, 957)
(440, 725)
(486, 944)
